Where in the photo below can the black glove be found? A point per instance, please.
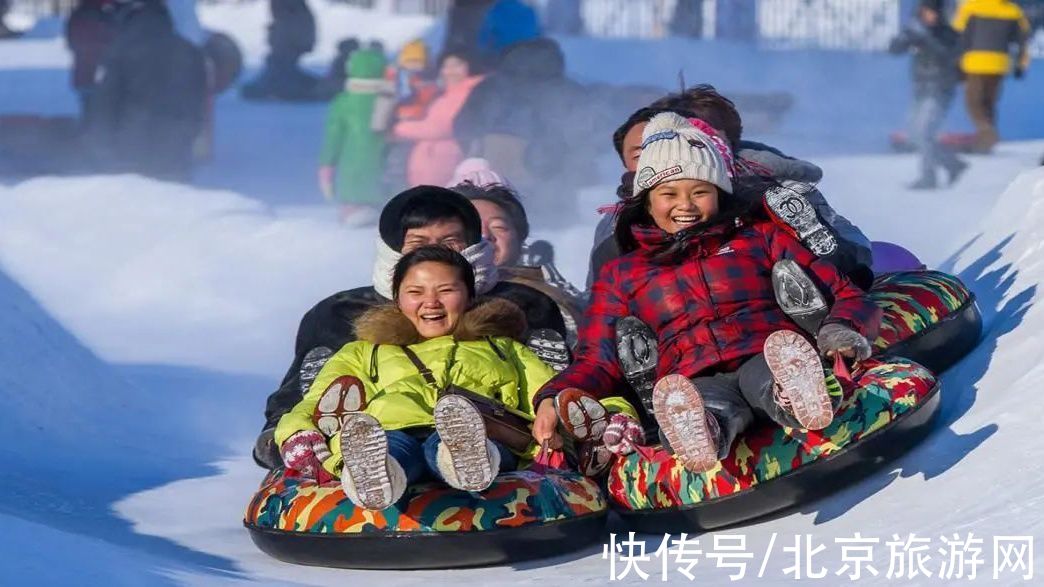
(1019, 72)
(835, 337)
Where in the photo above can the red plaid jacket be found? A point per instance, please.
(710, 310)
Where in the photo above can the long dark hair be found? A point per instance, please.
(434, 254)
(745, 202)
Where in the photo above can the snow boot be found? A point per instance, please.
(581, 415)
(549, 346)
(343, 396)
(370, 478)
(466, 459)
(692, 433)
(799, 387)
(311, 365)
(787, 202)
(637, 352)
(955, 172)
(798, 296)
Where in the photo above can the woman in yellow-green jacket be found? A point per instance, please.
(370, 413)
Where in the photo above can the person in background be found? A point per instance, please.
(149, 104)
(506, 226)
(291, 35)
(936, 49)
(352, 157)
(436, 153)
(415, 91)
(990, 30)
(507, 23)
(90, 31)
(337, 74)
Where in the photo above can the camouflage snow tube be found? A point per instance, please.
(523, 515)
(772, 468)
(929, 316)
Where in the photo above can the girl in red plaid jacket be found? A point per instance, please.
(697, 269)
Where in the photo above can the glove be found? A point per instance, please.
(623, 434)
(1020, 72)
(326, 181)
(835, 338)
(305, 452)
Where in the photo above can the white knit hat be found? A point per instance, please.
(673, 148)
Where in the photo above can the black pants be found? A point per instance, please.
(740, 397)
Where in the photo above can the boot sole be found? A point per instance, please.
(795, 209)
(345, 395)
(583, 417)
(364, 450)
(312, 363)
(796, 368)
(463, 433)
(683, 420)
(549, 347)
(638, 355)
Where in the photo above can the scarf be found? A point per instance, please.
(480, 255)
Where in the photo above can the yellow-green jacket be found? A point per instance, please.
(488, 360)
(989, 29)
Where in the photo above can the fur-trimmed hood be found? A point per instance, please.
(385, 324)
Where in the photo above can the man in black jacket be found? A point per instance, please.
(424, 215)
(936, 50)
(149, 102)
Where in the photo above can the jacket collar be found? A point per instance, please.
(385, 324)
(652, 238)
(481, 256)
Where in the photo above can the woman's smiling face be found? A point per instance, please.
(433, 296)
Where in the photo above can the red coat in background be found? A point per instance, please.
(711, 309)
(436, 153)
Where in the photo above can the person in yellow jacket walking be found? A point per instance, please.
(379, 414)
(990, 30)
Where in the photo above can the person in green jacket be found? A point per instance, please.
(352, 158)
(376, 419)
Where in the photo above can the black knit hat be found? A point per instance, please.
(391, 227)
(502, 196)
(936, 5)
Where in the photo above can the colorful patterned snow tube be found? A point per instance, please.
(771, 468)
(523, 515)
(929, 317)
